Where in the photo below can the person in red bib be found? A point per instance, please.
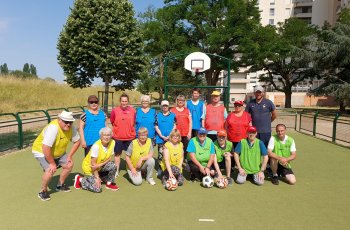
(214, 115)
(123, 121)
(183, 120)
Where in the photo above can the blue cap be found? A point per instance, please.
(202, 131)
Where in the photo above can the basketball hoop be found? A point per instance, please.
(197, 62)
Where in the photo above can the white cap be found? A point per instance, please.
(66, 116)
(259, 88)
(165, 102)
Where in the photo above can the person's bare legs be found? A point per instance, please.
(66, 169)
(228, 165)
(47, 176)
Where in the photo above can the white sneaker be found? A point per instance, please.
(151, 181)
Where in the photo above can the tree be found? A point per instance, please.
(209, 26)
(4, 69)
(32, 70)
(284, 55)
(101, 39)
(26, 68)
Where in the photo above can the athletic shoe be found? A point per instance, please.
(62, 188)
(77, 184)
(151, 181)
(230, 181)
(112, 186)
(274, 180)
(44, 196)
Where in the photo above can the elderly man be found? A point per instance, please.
(263, 113)
(201, 155)
(251, 158)
(214, 116)
(49, 148)
(282, 151)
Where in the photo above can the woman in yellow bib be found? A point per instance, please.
(139, 158)
(173, 156)
(97, 165)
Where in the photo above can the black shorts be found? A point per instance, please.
(120, 146)
(283, 171)
(222, 164)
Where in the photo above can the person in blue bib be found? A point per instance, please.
(201, 155)
(282, 151)
(146, 117)
(195, 105)
(251, 158)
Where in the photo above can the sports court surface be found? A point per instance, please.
(319, 200)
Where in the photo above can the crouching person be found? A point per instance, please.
(251, 158)
(139, 158)
(97, 165)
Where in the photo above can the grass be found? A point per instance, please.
(319, 200)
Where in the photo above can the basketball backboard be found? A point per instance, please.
(197, 62)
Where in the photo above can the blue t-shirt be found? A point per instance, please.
(165, 124)
(93, 124)
(263, 149)
(196, 113)
(191, 148)
(261, 114)
(146, 120)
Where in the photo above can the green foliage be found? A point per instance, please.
(4, 69)
(32, 70)
(26, 68)
(101, 39)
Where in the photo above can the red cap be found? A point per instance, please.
(238, 103)
(222, 133)
(251, 129)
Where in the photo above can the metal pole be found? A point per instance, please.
(166, 78)
(334, 134)
(314, 127)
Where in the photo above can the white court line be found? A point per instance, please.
(206, 220)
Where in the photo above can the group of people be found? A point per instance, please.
(198, 137)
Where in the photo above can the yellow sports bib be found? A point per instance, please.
(139, 151)
(175, 155)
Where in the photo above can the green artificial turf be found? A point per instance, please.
(319, 200)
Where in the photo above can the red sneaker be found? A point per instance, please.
(77, 184)
(112, 187)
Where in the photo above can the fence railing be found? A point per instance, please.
(20, 130)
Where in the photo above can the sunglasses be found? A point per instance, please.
(68, 122)
(93, 102)
(237, 105)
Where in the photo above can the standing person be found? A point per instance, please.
(201, 155)
(214, 116)
(171, 163)
(123, 122)
(165, 123)
(139, 158)
(282, 151)
(146, 117)
(224, 151)
(237, 123)
(263, 113)
(49, 149)
(251, 158)
(98, 166)
(183, 120)
(91, 122)
(196, 109)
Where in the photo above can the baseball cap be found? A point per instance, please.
(238, 103)
(164, 102)
(202, 131)
(259, 88)
(222, 133)
(215, 93)
(251, 129)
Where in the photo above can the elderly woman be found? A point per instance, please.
(146, 117)
(97, 165)
(139, 158)
(91, 121)
(171, 163)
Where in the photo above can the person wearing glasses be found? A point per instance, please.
(183, 120)
(91, 122)
(146, 117)
(49, 149)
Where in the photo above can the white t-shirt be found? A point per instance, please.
(271, 144)
(95, 150)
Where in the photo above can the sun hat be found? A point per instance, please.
(66, 116)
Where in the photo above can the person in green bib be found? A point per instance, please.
(49, 149)
(139, 158)
(224, 151)
(98, 166)
(282, 151)
(201, 155)
(251, 158)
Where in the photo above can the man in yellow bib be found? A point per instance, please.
(49, 148)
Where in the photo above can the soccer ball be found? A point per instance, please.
(207, 182)
(221, 183)
(171, 184)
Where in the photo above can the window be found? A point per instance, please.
(272, 11)
(271, 22)
(272, 2)
(288, 12)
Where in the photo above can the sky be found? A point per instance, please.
(29, 31)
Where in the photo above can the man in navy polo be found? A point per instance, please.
(263, 113)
